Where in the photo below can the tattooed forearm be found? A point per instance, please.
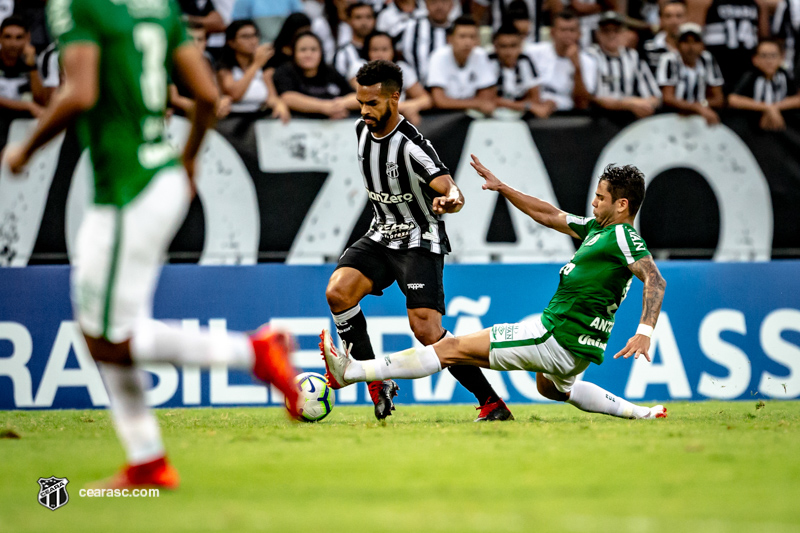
(654, 287)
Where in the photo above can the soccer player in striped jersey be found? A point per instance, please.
(410, 189)
(690, 80)
(624, 82)
(574, 329)
(116, 58)
(768, 89)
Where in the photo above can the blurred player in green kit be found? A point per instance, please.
(116, 56)
(573, 330)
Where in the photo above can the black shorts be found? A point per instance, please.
(418, 272)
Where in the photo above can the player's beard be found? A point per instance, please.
(380, 122)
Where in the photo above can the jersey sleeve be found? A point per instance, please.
(72, 22)
(667, 72)
(425, 161)
(582, 225)
(437, 70)
(631, 245)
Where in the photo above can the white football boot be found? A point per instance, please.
(335, 364)
(658, 411)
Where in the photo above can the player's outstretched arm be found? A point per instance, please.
(194, 69)
(78, 94)
(542, 212)
(652, 296)
(451, 200)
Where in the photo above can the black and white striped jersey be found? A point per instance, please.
(397, 171)
(514, 83)
(624, 75)
(419, 40)
(49, 69)
(500, 8)
(731, 34)
(690, 84)
(654, 48)
(347, 59)
(756, 86)
(786, 26)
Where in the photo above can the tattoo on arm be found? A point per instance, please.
(654, 286)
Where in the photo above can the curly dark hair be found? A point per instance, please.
(627, 182)
(380, 71)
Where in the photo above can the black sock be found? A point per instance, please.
(351, 325)
(473, 380)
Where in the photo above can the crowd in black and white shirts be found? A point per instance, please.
(299, 58)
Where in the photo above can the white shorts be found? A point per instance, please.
(118, 256)
(529, 346)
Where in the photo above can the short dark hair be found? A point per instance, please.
(14, 20)
(776, 42)
(355, 5)
(507, 28)
(368, 41)
(627, 182)
(194, 25)
(517, 10)
(234, 27)
(463, 20)
(567, 14)
(380, 71)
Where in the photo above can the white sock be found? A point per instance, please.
(135, 423)
(408, 364)
(591, 398)
(155, 341)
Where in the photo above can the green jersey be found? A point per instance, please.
(124, 131)
(592, 286)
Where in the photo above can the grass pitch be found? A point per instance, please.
(709, 467)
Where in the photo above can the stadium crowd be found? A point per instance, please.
(299, 58)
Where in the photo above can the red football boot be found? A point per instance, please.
(273, 349)
(158, 474)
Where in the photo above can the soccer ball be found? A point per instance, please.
(316, 397)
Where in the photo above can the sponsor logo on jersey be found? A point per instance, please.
(637, 241)
(586, 340)
(592, 240)
(601, 324)
(386, 198)
(392, 171)
(396, 231)
(415, 286)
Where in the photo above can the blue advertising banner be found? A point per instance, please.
(727, 331)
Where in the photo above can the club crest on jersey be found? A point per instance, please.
(392, 170)
(592, 240)
(53, 492)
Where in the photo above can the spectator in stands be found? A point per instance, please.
(672, 15)
(332, 28)
(393, 18)
(517, 82)
(460, 74)
(424, 35)
(690, 80)
(49, 70)
(204, 13)
(524, 14)
(768, 88)
(20, 87)
(269, 16)
(413, 98)
(624, 82)
(311, 88)
(568, 74)
(361, 18)
(181, 98)
(786, 27)
(730, 32)
(33, 13)
(588, 13)
(294, 25)
(242, 74)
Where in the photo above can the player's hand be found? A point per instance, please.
(492, 183)
(29, 55)
(446, 204)
(637, 345)
(642, 107)
(223, 106)
(487, 107)
(711, 116)
(16, 158)
(572, 53)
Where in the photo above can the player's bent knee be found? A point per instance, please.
(338, 298)
(104, 351)
(548, 389)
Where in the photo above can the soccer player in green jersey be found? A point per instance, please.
(573, 331)
(116, 56)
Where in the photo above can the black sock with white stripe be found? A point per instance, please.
(351, 325)
(472, 379)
